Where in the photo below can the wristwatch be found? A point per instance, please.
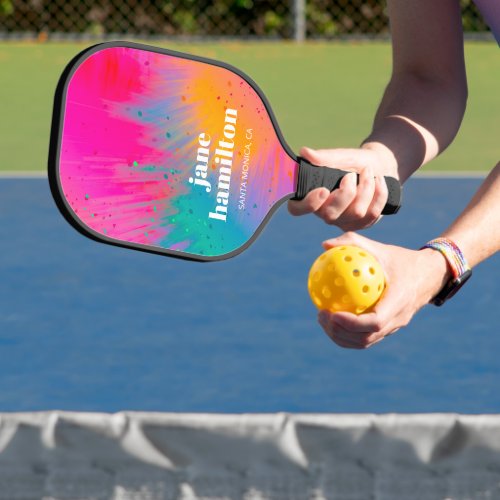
(460, 270)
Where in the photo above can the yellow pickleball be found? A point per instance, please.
(346, 278)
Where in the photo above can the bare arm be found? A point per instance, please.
(424, 102)
(477, 230)
(418, 117)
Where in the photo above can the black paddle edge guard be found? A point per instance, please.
(312, 177)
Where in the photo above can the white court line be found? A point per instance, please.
(11, 174)
(454, 174)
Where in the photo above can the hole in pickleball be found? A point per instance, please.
(327, 293)
(317, 301)
(330, 268)
(317, 276)
(336, 306)
(366, 289)
(379, 288)
(348, 258)
(372, 270)
(359, 310)
(356, 273)
(339, 281)
(346, 299)
(363, 254)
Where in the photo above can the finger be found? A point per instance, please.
(346, 338)
(372, 343)
(393, 332)
(359, 224)
(353, 341)
(392, 311)
(362, 324)
(380, 196)
(348, 238)
(338, 334)
(324, 318)
(311, 203)
(338, 201)
(365, 191)
(361, 340)
(385, 317)
(376, 338)
(366, 208)
(338, 157)
(344, 344)
(342, 340)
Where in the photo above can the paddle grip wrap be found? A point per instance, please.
(311, 177)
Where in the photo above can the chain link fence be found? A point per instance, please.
(284, 19)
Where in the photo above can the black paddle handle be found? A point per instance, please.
(311, 177)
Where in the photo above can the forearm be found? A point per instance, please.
(424, 103)
(416, 120)
(477, 230)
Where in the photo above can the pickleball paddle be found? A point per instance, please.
(171, 153)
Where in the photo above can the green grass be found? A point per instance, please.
(323, 94)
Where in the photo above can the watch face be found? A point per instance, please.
(451, 288)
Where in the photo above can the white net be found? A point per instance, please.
(154, 456)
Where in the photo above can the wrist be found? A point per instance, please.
(457, 265)
(386, 157)
(437, 272)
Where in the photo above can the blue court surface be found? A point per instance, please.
(90, 327)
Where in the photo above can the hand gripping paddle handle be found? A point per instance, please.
(311, 177)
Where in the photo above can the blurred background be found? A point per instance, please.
(324, 91)
(282, 19)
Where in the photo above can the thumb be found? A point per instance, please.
(338, 158)
(312, 155)
(349, 238)
(377, 249)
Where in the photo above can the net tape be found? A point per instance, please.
(159, 456)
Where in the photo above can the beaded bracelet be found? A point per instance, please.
(452, 254)
(460, 269)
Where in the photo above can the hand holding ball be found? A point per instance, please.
(346, 278)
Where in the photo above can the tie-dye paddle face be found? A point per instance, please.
(164, 152)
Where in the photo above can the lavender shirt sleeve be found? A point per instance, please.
(490, 9)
